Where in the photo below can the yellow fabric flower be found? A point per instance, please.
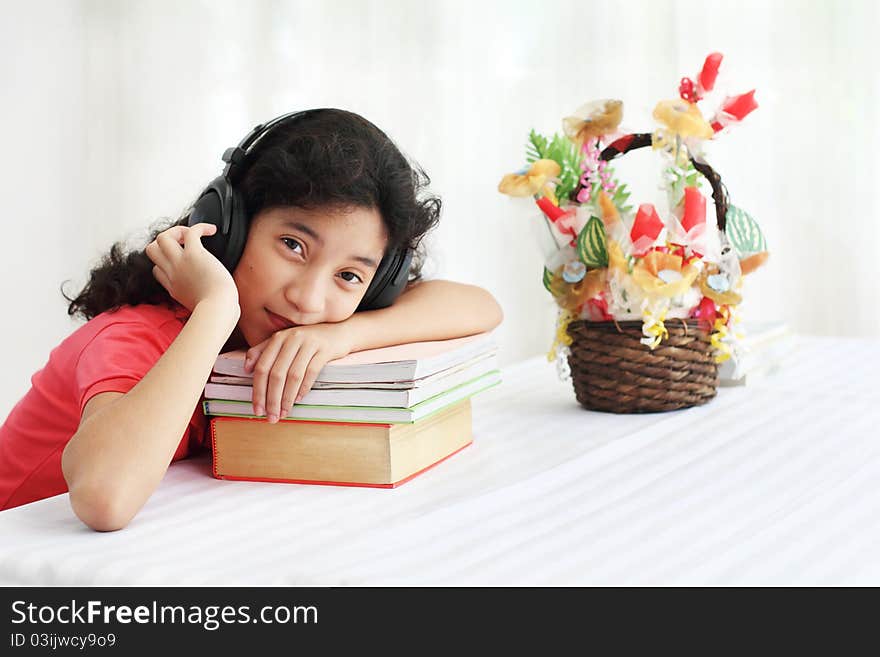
(721, 297)
(683, 119)
(662, 275)
(572, 296)
(530, 182)
(593, 120)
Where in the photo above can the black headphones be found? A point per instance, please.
(221, 204)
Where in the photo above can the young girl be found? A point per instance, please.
(328, 213)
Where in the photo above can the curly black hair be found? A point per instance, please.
(325, 157)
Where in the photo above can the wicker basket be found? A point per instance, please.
(613, 371)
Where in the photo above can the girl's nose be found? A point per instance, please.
(307, 294)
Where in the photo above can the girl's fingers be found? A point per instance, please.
(193, 237)
(175, 233)
(286, 364)
(252, 356)
(184, 234)
(262, 370)
(204, 228)
(160, 276)
(312, 372)
(295, 374)
(156, 255)
(169, 247)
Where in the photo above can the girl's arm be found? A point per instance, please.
(427, 310)
(286, 365)
(120, 452)
(124, 442)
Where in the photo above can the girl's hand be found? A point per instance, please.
(286, 365)
(185, 268)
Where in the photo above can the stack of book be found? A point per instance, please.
(373, 418)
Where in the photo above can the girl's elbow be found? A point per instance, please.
(100, 509)
(494, 312)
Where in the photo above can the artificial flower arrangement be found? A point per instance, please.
(612, 265)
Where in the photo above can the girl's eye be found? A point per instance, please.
(293, 245)
(351, 277)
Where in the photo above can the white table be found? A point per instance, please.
(774, 483)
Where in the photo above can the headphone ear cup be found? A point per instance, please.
(390, 280)
(221, 204)
(238, 230)
(208, 209)
(376, 284)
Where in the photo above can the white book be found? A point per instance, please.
(365, 396)
(763, 350)
(406, 362)
(383, 385)
(376, 415)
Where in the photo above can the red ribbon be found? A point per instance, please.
(710, 71)
(694, 208)
(601, 305)
(736, 108)
(705, 313)
(553, 212)
(647, 223)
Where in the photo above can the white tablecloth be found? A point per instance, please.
(775, 483)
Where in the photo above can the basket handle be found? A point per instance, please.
(633, 141)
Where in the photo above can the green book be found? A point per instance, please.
(365, 414)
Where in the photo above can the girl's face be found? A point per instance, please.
(306, 267)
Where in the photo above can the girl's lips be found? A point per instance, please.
(277, 321)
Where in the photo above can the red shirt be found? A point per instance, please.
(111, 352)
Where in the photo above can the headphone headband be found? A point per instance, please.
(235, 156)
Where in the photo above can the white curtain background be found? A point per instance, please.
(114, 114)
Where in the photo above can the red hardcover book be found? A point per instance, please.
(337, 453)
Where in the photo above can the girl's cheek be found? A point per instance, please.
(350, 309)
(338, 311)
